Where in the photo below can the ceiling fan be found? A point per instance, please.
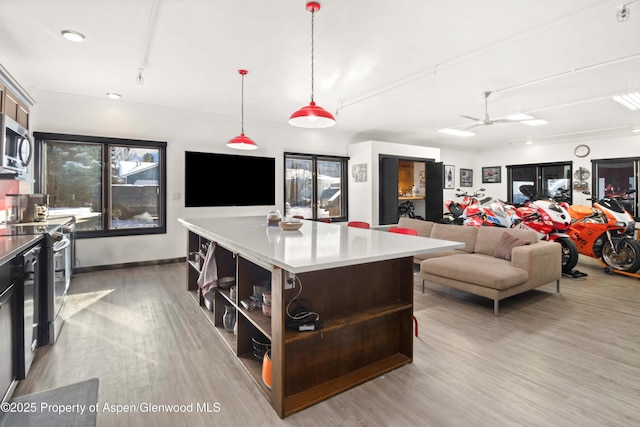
(486, 121)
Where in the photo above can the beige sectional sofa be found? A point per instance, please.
(491, 264)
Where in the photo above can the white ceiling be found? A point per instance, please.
(393, 70)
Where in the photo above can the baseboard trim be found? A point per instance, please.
(128, 265)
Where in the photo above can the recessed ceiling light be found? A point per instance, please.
(114, 95)
(73, 36)
(456, 132)
(535, 122)
(635, 130)
(529, 142)
(518, 117)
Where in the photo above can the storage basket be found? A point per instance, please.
(260, 348)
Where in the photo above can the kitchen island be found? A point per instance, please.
(359, 282)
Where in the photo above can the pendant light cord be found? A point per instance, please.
(242, 106)
(313, 12)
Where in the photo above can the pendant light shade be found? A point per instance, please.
(312, 115)
(242, 142)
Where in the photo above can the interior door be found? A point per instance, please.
(388, 190)
(434, 184)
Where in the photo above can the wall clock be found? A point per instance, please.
(582, 150)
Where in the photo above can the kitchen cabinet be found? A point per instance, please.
(360, 282)
(20, 272)
(16, 109)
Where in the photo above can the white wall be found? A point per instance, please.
(608, 148)
(191, 131)
(183, 131)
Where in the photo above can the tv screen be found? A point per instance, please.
(228, 180)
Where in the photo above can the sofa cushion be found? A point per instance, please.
(483, 270)
(488, 238)
(457, 233)
(506, 243)
(422, 227)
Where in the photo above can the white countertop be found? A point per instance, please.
(315, 246)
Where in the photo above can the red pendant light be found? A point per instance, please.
(242, 142)
(312, 115)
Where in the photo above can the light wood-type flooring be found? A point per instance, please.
(568, 359)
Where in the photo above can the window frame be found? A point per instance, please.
(314, 158)
(596, 174)
(106, 143)
(539, 184)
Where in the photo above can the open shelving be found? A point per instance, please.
(366, 312)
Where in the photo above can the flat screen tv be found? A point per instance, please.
(212, 179)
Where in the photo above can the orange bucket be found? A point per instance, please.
(266, 368)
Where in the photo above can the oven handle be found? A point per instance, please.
(61, 245)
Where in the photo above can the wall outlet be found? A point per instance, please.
(290, 281)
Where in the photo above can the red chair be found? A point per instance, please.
(328, 220)
(358, 224)
(402, 230)
(298, 217)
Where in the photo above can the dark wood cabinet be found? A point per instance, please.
(366, 313)
(16, 109)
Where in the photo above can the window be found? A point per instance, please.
(114, 187)
(549, 179)
(315, 186)
(616, 178)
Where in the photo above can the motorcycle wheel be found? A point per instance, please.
(569, 254)
(446, 220)
(627, 257)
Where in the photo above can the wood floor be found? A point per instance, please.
(568, 359)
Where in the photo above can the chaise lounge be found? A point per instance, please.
(495, 262)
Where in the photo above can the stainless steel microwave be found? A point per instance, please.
(17, 147)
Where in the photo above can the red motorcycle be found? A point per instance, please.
(489, 212)
(456, 209)
(550, 221)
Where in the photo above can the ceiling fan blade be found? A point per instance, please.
(475, 119)
(474, 126)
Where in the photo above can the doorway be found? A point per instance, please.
(410, 187)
